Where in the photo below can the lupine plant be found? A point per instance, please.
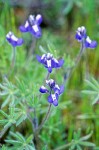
(24, 102)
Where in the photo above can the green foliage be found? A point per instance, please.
(78, 142)
(9, 90)
(2, 33)
(20, 142)
(19, 91)
(4, 147)
(9, 119)
(93, 90)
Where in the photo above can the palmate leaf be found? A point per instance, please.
(18, 136)
(21, 119)
(93, 90)
(92, 85)
(20, 142)
(9, 91)
(78, 143)
(25, 91)
(16, 116)
(82, 141)
(9, 119)
(22, 114)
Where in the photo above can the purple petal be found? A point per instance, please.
(57, 63)
(54, 63)
(89, 43)
(43, 89)
(61, 62)
(51, 83)
(53, 98)
(35, 30)
(13, 43)
(55, 102)
(39, 19)
(38, 58)
(93, 44)
(31, 19)
(49, 69)
(78, 37)
(50, 100)
(19, 42)
(61, 89)
(23, 29)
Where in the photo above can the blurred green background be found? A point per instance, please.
(61, 18)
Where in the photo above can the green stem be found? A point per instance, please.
(44, 119)
(86, 65)
(47, 114)
(38, 128)
(13, 57)
(77, 60)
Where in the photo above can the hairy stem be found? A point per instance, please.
(13, 57)
(77, 60)
(45, 118)
(36, 133)
(86, 65)
(38, 128)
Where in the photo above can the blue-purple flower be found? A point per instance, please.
(89, 43)
(13, 40)
(81, 36)
(32, 25)
(80, 33)
(53, 90)
(50, 62)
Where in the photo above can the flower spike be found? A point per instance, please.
(54, 91)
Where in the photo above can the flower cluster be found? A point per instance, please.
(32, 25)
(49, 61)
(81, 36)
(13, 40)
(54, 91)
